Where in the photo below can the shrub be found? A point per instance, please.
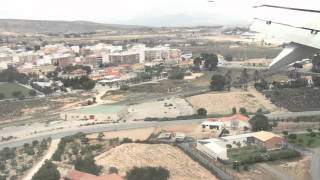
(124, 87)
(113, 170)
(126, 140)
(148, 173)
(88, 165)
(48, 171)
(202, 112)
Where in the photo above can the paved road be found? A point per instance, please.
(285, 115)
(123, 126)
(315, 166)
(94, 129)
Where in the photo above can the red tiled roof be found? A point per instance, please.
(239, 117)
(78, 175)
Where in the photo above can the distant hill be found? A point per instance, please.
(180, 20)
(41, 26)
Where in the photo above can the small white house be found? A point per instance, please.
(236, 121)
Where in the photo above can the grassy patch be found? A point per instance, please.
(307, 140)
(254, 154)
(8, 88)
(238, 52)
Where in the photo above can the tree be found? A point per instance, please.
(2, 96)
(197, 62)
(88, 165)
(262, 85)
(210, 60)
(48, 171)
(100, 136)
(285, 133)
(259, 122)
(292, 137)
(228, 57)
(309, 130)
(113, 170)
(202, 112)
(124, 87)
(244, 79)
(256, 76)
(243, 111)
(234, 110)
(148, 173)
(32, 93)
(177, 74)
(228, 80)
(217, 83)
(35, 143)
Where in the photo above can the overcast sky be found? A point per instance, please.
(117, 11)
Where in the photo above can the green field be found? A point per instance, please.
(307, 140)
(8, 88)
(239, 53)
(253, 154)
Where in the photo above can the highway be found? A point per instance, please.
(59, 133)
(94, 129)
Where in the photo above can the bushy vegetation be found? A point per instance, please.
(12, 75)
(61, 147)
(48, 171)
(260, 122)
(83, 82)
(69, 69)
(202, 112)
(217, 83)
(210, 60)
(309, 139)
(177, 74)
(148, 173)
(254, 154)
(88, 165)
(296, 100)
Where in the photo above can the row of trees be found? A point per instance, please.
(210, 61)
(221, 83)
(12, 75)
(83, 82)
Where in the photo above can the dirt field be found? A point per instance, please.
(222, 103)
(135, 134)
(298, 169)
(181, 166)
(171, 107)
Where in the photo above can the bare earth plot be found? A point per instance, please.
(135, 134)
(172, 107)
(181, 166)
(222, 103)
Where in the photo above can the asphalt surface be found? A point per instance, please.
(95, 129)
(315, 166)
(126, 126)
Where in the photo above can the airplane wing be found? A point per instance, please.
(299, 26)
